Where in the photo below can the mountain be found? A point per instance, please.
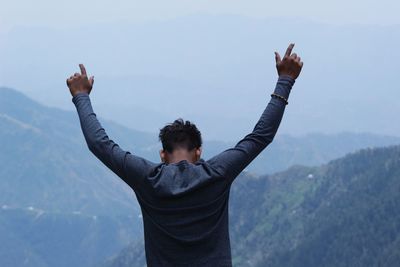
(58, 205)
(344, 213)
(40, 238)
(53, 139)
(45, 163)
(57, 200)
(309, 150)
(18, 111)
(217, 70)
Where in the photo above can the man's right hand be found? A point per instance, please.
(290, 65)
(80, 83)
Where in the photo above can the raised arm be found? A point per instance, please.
(127, 166)
(232, 161)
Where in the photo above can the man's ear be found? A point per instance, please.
(163, 155)
(198, 153)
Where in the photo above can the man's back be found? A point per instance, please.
(185, 215)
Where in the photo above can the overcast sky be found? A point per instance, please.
(52, 13)
(196, 56)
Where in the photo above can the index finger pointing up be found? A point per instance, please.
(83, 70)
(289, 50)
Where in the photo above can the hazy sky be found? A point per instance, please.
(52, 13)
(176, 48)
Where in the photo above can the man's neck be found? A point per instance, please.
(180, 155)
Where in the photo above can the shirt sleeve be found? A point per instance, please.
(128, 167)
(232, 161)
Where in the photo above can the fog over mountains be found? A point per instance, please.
(215, 70)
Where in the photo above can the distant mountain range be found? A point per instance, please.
(40, 238)
(44, 161)
(344, 213)
(57, 200)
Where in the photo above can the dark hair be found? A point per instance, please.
(180, 134)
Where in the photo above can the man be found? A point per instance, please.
(184, 199)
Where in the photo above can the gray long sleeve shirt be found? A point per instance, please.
(184, 205)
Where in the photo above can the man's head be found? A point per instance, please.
(181, 140)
